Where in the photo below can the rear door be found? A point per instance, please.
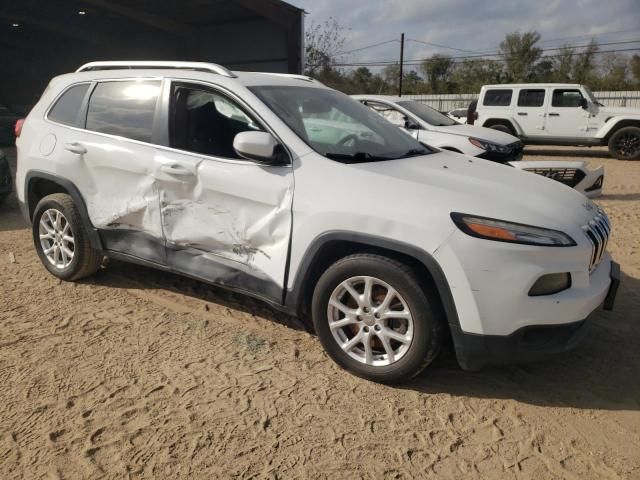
(112, 162)
(225, 219)
(530, 111)
(565, 116)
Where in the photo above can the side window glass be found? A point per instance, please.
(566, 98)
(497, 98)
(531, 98)
(203, 121)
(124, 108)
(391, 114)
(68, 106)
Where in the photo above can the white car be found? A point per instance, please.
(560, 114)
(431, 127)
(243, 180)
(459, 115)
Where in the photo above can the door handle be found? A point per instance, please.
(176, 169)
(75, 147)
(523, 113)
(554, 114)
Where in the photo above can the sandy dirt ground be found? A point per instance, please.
(140, 374)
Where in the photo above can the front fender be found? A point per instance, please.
(613, 122)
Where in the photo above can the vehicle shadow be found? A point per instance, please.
(582, 152)
(10, 216)
(601, 373)
(118, 274)
(620, 196)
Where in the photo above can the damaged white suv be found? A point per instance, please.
(252, 181)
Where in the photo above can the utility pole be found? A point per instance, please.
(401, 63)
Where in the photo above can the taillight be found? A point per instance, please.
(18, 127)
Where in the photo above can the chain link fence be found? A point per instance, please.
(448, 102)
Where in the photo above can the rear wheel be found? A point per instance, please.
(625, 144)
(374, 319)
(61, 239)
(503, 128)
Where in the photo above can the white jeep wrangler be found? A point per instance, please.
(251, 181)
(559, 114)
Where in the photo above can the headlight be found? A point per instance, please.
(489, 146)
(498, 230)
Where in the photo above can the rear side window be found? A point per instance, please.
(566, 98)
(68, 106)
(497, 98)
(531, 98)
(125, 109)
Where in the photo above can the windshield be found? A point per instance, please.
(427, 114)
(591, 96)
(337, 126)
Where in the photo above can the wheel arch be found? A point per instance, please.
(39, 184)
(608, 130)
(507, 122)
(331, 246)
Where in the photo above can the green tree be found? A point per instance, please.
(472, 74)
(438, 69)
(412, 83)
(634, 66)
(520, 55)
(322, 42)
(361, 78)
(584, 64)
(614, 72)
(563, 65)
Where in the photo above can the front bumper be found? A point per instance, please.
(527, 344)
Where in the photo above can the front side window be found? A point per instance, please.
(124, 108)
(531, 98)
(206, 122)
(568, 98)
(337, 126)
(428, 114)
(391, 114)
(67, 109)
(497, 98)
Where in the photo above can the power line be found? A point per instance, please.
(420, 62)
(365, 47)
(440, 46)
(500, 54)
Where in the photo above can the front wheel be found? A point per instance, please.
(625, 144)
(375, 320)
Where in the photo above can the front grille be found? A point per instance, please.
(598, 231)
(568, 176)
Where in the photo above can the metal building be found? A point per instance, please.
(42, 38)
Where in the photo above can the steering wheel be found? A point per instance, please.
(343, 141)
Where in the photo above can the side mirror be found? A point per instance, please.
(261, 147)
(584, 104)
(410, 125)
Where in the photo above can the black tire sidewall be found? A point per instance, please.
(613, 151)
(76, 264)
(425, 344)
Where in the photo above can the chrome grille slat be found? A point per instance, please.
(597, 231)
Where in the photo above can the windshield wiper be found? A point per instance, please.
(355, 157)
(415, 152)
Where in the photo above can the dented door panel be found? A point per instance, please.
(228, 222)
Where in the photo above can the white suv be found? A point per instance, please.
(559, 114)
(247, 181)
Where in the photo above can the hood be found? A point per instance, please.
(614, 111)
(481, 133)
(475, 186)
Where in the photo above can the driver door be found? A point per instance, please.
(225, 219)
(565, 115)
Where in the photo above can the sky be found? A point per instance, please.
(473, 25)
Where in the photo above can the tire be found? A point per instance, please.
(503, 128)
(624, 144)
(84, 260)
(341, 343)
